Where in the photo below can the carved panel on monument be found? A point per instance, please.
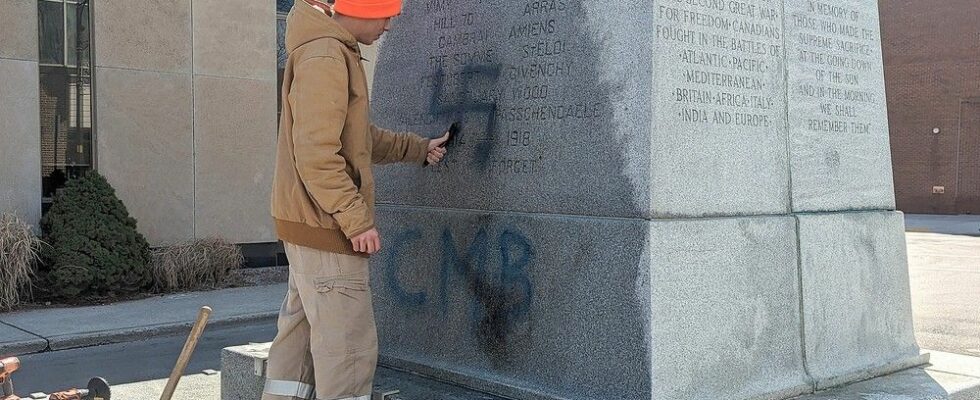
(841, 158)
(538, 121)
(719, 138)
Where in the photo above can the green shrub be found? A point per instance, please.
(94, 248)
(197, 264)
(18, 256)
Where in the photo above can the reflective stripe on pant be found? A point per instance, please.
(327, 345)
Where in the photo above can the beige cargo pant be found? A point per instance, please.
(327, 345)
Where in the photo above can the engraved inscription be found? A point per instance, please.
(513, 100)
(838, 54)
(724, 54)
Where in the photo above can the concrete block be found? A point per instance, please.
(235, 144)
(841, 159)
(561, 307)
(237, 41)
(18, 29)
(725, 309)
(146, 148)
(156, 38)
(856, 301)
(20, 140)
(243, 371)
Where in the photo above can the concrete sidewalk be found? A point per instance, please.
(948, 224)
(64, 328)
(947, 377)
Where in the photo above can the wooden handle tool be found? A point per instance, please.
(185, 354)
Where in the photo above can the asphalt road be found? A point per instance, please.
(139, 370)
(134, 362)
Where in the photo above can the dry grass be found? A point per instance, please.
(198, 264)
(18, 256)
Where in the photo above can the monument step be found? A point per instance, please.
(243, 377)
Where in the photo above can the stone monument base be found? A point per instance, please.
(763, 307)
(734, 308)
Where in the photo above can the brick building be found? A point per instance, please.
(932, 78)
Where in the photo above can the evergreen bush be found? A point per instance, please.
(93, 247)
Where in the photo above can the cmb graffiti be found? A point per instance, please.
(492, 267)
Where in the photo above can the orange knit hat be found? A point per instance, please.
(368, 9)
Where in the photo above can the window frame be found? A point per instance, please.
(80, 74)
(64, 34)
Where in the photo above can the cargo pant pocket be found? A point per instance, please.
(349, 312)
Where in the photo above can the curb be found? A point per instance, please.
(23, 347)
(131, 334)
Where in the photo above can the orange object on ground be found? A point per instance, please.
(72, 394)
(8, 366)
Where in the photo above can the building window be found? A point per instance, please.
(64, 38)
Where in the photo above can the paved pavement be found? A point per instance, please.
(65, 328)
(944, 271)
(950, 377)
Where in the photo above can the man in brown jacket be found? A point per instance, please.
(323, 201)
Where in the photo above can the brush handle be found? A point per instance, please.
(185, 354)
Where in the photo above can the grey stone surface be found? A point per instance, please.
(841, 159)
(718, 134)
(243, 371)
(545, 306)
(156, 38)
(614, 116)
(545, 128)
(668, 121)
(234, 157)
(235, 41)
(725, 309)
(146, 148)
(534, 303)
(856, 302)
(130, 321)
(18, 29)
(20, 142)
(14, 342)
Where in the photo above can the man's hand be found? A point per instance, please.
(437, 149)
(368, 242)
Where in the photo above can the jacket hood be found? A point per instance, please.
(306, 24)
